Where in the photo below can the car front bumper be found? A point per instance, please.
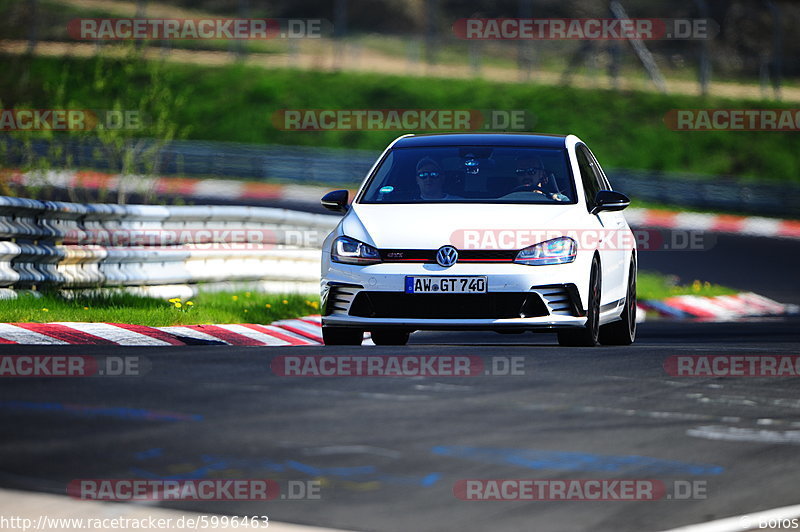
(553, 294)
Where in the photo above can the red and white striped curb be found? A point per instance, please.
(256, 190)
(307, 330)
(301, 331)
(714, 223)
(719, 308)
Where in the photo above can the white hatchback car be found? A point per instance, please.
(503, 232)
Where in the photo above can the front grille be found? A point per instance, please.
(447, 306)
(464, 255)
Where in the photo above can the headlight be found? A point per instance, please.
(351, 251)
(556, 251)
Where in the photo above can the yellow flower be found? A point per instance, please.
(235, 298)
(85, 308)
(178, 305)
(285, 302)
(174, 299)
(268, 305)
(315, 304)
(45, 310)
(696, 286)
(245, 310)
(189, 303)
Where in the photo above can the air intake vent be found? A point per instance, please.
(339, 298)
(561, 300)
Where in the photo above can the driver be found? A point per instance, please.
(430, 181)
(532, 176)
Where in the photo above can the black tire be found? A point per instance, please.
(587, 336)
(390, 337)
(341, 336)
(623, 332)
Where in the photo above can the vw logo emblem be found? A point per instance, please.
(446, 256)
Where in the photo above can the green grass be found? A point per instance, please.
(237, 307)
(651, 285)
(221, 307)
(236, 103)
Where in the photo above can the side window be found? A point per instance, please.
(380, 178)
(588, 177)
(598, 171)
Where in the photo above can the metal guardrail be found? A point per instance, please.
(55, 245)
(346, 168)
(298, 164)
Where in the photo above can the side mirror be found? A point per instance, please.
(608, 200)
(335, 201)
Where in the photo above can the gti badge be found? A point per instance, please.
(446, 256)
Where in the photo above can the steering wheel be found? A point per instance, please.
(527, 187)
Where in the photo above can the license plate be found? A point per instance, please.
(445, 285)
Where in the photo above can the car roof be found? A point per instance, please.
(530, 140)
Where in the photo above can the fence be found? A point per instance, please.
(164, 251)
(343, 168)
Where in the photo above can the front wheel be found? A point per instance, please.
(341, 336)
(586, 336)
(623, 332)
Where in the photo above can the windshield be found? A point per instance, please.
(472, 174)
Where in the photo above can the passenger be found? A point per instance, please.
(430, 181)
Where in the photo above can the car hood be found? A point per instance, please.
(430, 226)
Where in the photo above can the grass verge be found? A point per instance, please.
(651, 285)
(624, 129)
(221, 307)
(239, 307)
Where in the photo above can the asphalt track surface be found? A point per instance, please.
(388, 451)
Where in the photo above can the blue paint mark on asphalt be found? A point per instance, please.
(242, 463)
(430, 480)
(197, 474)
(149, 453)
(330, 471)
(100, 411)
(572, 461)
(213, 463)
